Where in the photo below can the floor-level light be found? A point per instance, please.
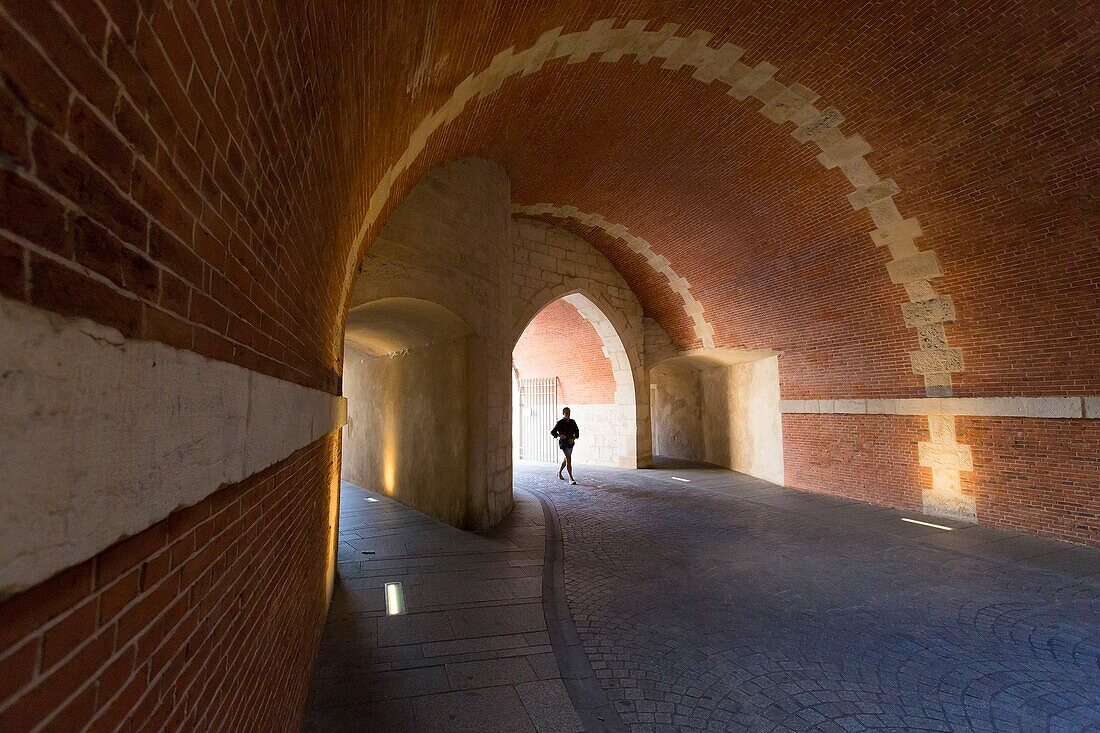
(926, 524)
(395, 599)
(677, 478)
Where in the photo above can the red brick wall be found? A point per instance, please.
(1035, 475)
(999, 177)
(208, 620)
(163, 165)
(866, 457)
(560, 343)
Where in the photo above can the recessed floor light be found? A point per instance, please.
(395, 599)
(926, 524)
(677, 478)
(371, 498)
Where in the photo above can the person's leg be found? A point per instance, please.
(562, 468)
(569, 466)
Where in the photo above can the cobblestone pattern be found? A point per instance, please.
(731, 604)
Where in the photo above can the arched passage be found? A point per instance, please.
(405, 373)
(454, 243)
(608, 412)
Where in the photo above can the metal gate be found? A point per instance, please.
(538, 410)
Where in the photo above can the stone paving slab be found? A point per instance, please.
(470, 654)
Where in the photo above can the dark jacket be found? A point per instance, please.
(566, 428)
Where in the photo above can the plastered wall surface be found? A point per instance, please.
(742, 423)
(406, 433)
(723, 414)
(678, 413)
(102, 436)
(449, 243)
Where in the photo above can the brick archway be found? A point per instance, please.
(927, 309)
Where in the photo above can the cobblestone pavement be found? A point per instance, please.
(726, 603)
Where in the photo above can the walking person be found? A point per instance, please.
(567, 432)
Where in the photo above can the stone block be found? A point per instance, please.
(768, 91)
(941, 429)
(783, 106)
(867, 195)
(490, 80)
(721, 61)
(1091, 407)
(755, 78)
(859, 172)
(649, 42)
(563, 46)
(622, 40)
(928, 312)
(945, 456)
(826, 121)
(848, 148)
(884, 212)
(936, 361)
(922, 266)
(540, 52)
(687, 51)
(949, 504)
(881, 407)
(920, 291)
(906, 230)
(932, 336)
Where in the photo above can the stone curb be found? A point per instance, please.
(585, 691)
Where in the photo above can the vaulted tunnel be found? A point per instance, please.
(250, 249)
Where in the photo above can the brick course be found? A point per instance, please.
(208, 620)
(161, 163)
(560, 343)
(1035, 475)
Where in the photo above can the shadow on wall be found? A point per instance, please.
(405, 377)
(717, 410)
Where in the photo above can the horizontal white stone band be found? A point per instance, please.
(1046, 407)
(101, 437)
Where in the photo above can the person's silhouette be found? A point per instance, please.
(567, 432)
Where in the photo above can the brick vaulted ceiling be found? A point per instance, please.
(224, 166)
(946, 96)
